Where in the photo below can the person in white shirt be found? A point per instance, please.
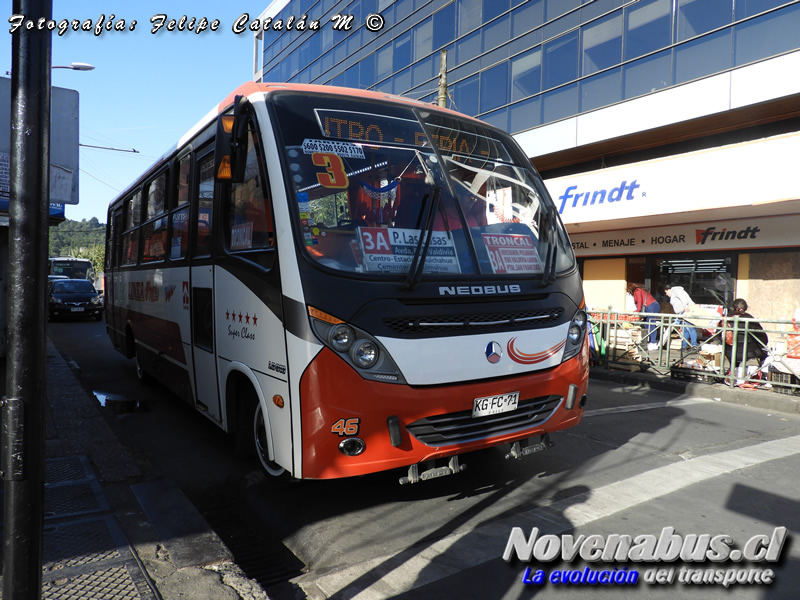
(680, 300)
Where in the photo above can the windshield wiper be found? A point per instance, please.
(417, 266)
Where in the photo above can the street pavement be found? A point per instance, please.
(114, 531)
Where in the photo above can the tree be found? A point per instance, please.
(70, 236)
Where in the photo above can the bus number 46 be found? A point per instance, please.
(344, 427)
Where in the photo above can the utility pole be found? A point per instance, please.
(22, 439)
(442, 98)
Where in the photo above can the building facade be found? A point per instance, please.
(667, 131)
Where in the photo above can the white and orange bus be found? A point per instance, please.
(351, 282)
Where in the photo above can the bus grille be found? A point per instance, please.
(474, 322)
(461, 427)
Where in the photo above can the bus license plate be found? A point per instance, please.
(492, 405)
(77, 309)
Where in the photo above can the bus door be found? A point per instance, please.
(201, 289)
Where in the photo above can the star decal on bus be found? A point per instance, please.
(234, 315)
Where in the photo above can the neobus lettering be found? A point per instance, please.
(467, 290)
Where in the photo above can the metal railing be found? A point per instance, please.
(622, 340)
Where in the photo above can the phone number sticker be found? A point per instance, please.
(345, 149)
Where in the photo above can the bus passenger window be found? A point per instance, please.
(155, 240)
(183, 179)
(155, 196)
(130, 248)
(133, 211)
(180, 233)
(205, 206)
(248, 219)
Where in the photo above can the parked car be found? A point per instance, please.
(73, 297)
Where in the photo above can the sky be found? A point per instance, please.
(147, 89)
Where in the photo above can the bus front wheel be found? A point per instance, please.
(143, 376)
(252, 436)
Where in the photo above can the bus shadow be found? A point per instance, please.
(490, 491)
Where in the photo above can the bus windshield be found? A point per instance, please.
(369, 180)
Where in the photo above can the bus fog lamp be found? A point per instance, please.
(352, 446)
(341, 337)
(364, 354)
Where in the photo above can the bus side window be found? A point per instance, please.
(248, 218)
(156, 193)
(130, 240)
(205, 205)
(180, 233)
(179, 217)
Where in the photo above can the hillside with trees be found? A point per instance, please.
(81, 239)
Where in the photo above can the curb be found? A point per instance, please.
(765, 400)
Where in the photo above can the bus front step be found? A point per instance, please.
(414, 475)
(518, 450)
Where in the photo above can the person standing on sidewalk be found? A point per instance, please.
(647, 304)
(681, 301)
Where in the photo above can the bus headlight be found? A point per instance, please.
(341, 337)
(575, 335)
(356, 347)
(364, 354)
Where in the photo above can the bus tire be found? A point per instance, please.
(143, 376)
(251, 435)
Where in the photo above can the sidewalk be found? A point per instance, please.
(109, 532)
(763, 399)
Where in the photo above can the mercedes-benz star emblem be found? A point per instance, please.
(494, 352)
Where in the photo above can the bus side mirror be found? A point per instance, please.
(230, 157)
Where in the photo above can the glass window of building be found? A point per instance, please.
(767, 35)
(748, 8)
(402, 81)
(494, 87)
(560, 104)
(525, 115)
(555, 8)
(493, 8)
(468, 48)
(648, 74)
(496, 33)
(526, 74)
(708, 54)
(696, 17)
(423, 39)
(383, 62)
(366, 72)
(601, 89)
(560, 60)
(469, 15)
(465, 95)
(601, 44)
(444, 26)
(648, 26)
(527, 16)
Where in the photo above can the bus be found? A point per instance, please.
(351, 282)
(71, 267)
